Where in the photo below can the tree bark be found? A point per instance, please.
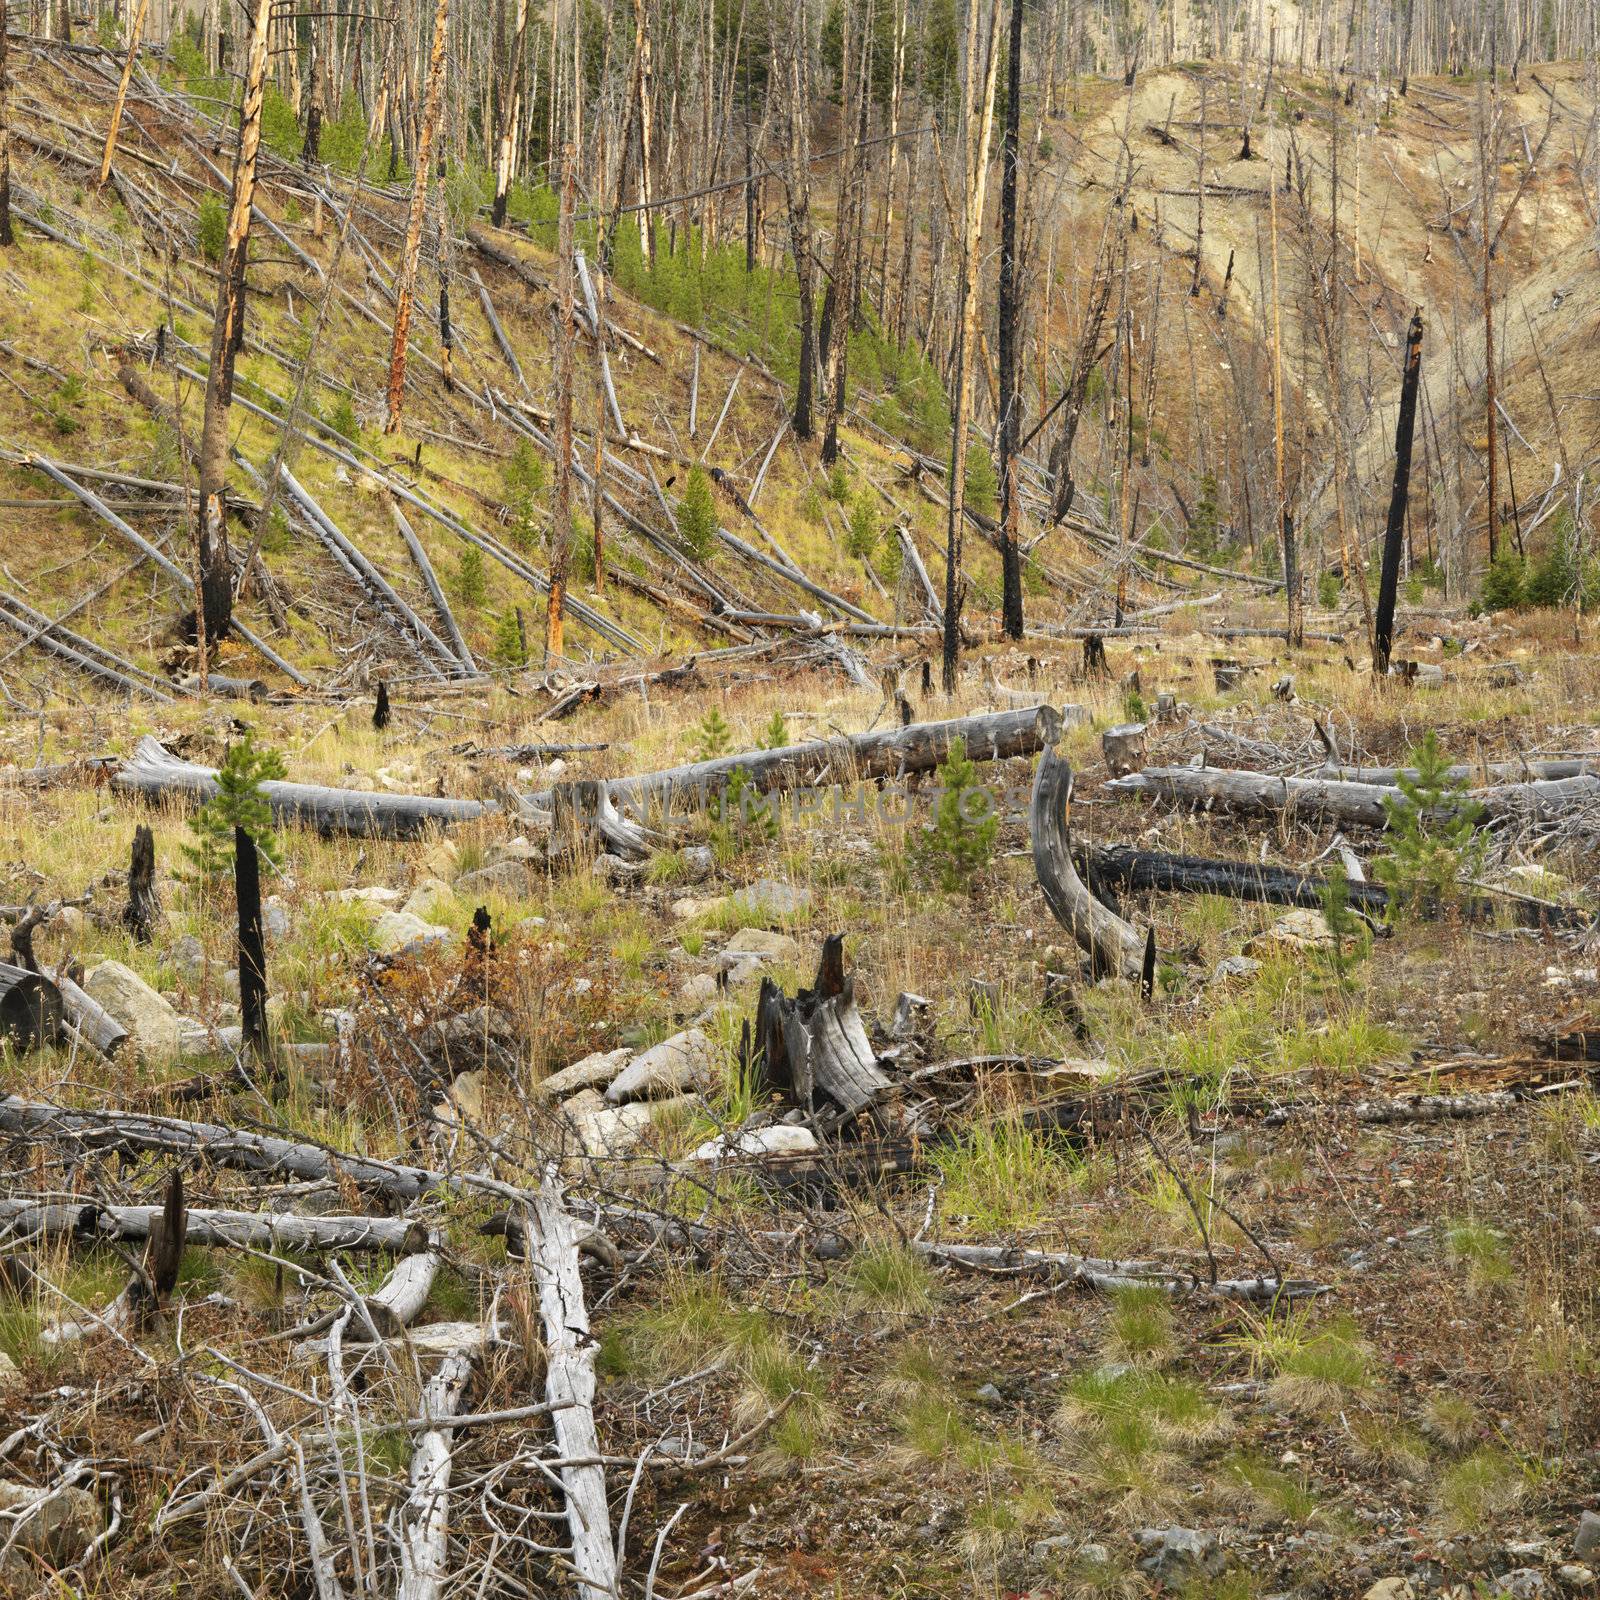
(1394, 532)
(406, 282)
(561, 514)
(7, 238)
(509, 108)
(214, 600)
(252, 945)
(30, 1008)
(797, 182)
(143, 909)
(1010, 429)
(134, 34)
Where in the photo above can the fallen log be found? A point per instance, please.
(424, 1519)
(154, 773)
(30, 1008)
(1123, 867)
(891, 753)
(570, 1387)
(816, 1041)
(1484, 772)
(90, 1222)
(1113, 946)
(1260, 794)
(430, 580)
(399, 1299)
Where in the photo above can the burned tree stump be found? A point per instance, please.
(380, 709)
(30, 1008)
(1227, 675)
(815, 1041)
(143, 908)
(1114, 947)
(1126, 748)
(1094, 657)
(252, 945)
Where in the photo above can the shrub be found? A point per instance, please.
(1434, 834)
(861, 532)
(472, 583)
(241, 804)
(1329, 588)
(213, 228)
(524, 480)
(341, 417)
(983, 485)
(1505, 583)
(509, 648)
(960, 842)
(697, 515)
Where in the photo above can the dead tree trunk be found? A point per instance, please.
(425, 1517)
(214, 601)
(797, 183)
(252, 945)
(143, 909)
(1394, 533)
(136, 29)
(30, 1008)
(406, 282)
(1010, 430)
(561, 514)
(7, 238)
(1113, 947)
(977, 123)
(510, 110)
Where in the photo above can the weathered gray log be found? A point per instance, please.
(78, 651)
(91, 1222)
(251, 689)
(891, 753)
(424, 1519)
(1259, 794)
(569, 1389)
(502, 343)
(430, 581)
(586, 815)
(1114, 947)
(1486, 772)
(399, 1299)
(156, 774)
(30, 1008)
(1123, 867)
(816, 1041)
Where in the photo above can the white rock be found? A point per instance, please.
(402, 933)
(699, 989)
(1301, 929)
(430, 900)
(514, 849)
(593, 1072)
(59, 1526)
(685, 1061)
(373, 894)
(10, 1373)
(768, 900)
(615, 1130)
(686, 909)
(152, 1024)
(763, 944)
(1390, 1589)
(780, 1139)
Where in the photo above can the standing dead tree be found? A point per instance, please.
(510, 113)
(1388, 583)
(1010, 429)
(797, 185)
(561, 516)
(6, 236)
(214, 590)
(977, 122)
(406, 281)
(134, 32)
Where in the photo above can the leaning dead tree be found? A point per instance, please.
(406, 280)
(214, 590)
(1394, 533)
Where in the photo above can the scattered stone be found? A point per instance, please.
(1586, 1541)
(1572, 1575)
(440, 859)
(767, 900)
(780, 1139)
(593, 1072)
(698, 990)
(742, 971)
(188, 958)
(152, 1024)
(275, 923)
(1523, 1583)
(1235, 967)
(56, 1526)
(1175, 1555)
(988, 1395)
(763, 944)
(613, 869)
(696, 863)
(686, 909)
(463, 1100)
(400, 933)
(10, 1373)
(432, 899)
(516, 848)
(607, 1130)
(371, 895)
(1301, 929)
(1391, 1589)
(510, 878)
(685, 1061)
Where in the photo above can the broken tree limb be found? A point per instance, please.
(501, 342)
(156, 774)
(1260, 794)
(430, 580)
(399, 1300)
(1114, 947)
(90, 1222)
(1123, 867)
(425, 1517)
(892, 753)
(570, 1386)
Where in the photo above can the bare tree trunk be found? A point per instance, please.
(509, 107)
(122, 87)
(1291, 575)
(7, 238)
(406, 284)
(977, 122)
(1383, 631)
(641, 69)
(1010, 390)
(798, 183)
(561, 518)
(214, 609)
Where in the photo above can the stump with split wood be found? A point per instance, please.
(143, 908)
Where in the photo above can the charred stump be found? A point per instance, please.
(380, 710)
(252, 944)
(143, 909)
(30, 1008)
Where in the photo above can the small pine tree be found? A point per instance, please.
(1505, 583)
(861, 532)
(1434, 835)
(715, 736)
(241, 804)
(1204, 524)
(776, 735)
(1329, 587)
(839, 483)
(472, 582)
(983, 484)
(697, 515)
(213, 227)
(1343, 923)
(524, 484)
(509, 648)
(960, 842)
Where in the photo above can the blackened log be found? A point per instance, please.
(1394, 533)
(30, 1008)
